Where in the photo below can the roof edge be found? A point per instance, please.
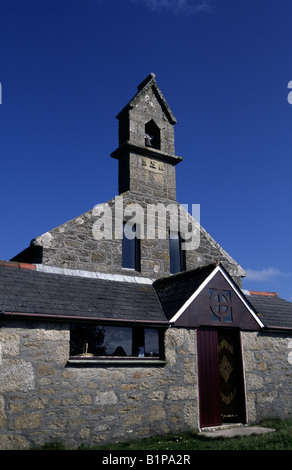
(151, 76)
(218, 268)
(149, 82)
(48, 316)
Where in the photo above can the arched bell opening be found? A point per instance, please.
(152, 135)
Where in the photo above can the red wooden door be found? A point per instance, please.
(209, 379)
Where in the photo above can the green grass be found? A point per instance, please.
(279, 440)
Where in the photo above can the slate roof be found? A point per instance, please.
(24, 291)
(175, 290)
(59, 296)
(272, 310)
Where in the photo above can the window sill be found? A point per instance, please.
(117, 361)
(132, 270)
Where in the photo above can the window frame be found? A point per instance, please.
(177, 256)
(129, 359)
(131, 247)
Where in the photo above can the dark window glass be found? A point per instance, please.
(90, 340)
(130, 248)
(151, 342)
(176, 253)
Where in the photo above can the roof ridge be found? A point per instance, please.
(266, 294)
(16, 264)
(92, 274)
(185, 274)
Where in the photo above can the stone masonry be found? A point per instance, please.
(44, 398)
(73, 245)
(146, 178)
(268, 374)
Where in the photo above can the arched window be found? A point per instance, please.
(152, 135)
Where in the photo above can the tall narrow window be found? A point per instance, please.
(176, 253)
(130, 248)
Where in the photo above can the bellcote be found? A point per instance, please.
(146, 130)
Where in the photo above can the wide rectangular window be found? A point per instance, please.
(87, 340)
(130, 248)
(176, 253)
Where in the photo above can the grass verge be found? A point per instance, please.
(281, 439)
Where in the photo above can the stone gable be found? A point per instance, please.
(146, 178)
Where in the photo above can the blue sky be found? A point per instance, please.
(67, 67)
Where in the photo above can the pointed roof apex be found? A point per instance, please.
(150, 82)
(151, 76)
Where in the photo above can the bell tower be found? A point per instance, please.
(146, 151)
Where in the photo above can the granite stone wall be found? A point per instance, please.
(268, 374)
(44, 398)
(74, 245)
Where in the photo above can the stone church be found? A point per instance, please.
(130, 320)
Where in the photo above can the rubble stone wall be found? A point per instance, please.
(74, 245)
(44, 398)
(268, 374)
